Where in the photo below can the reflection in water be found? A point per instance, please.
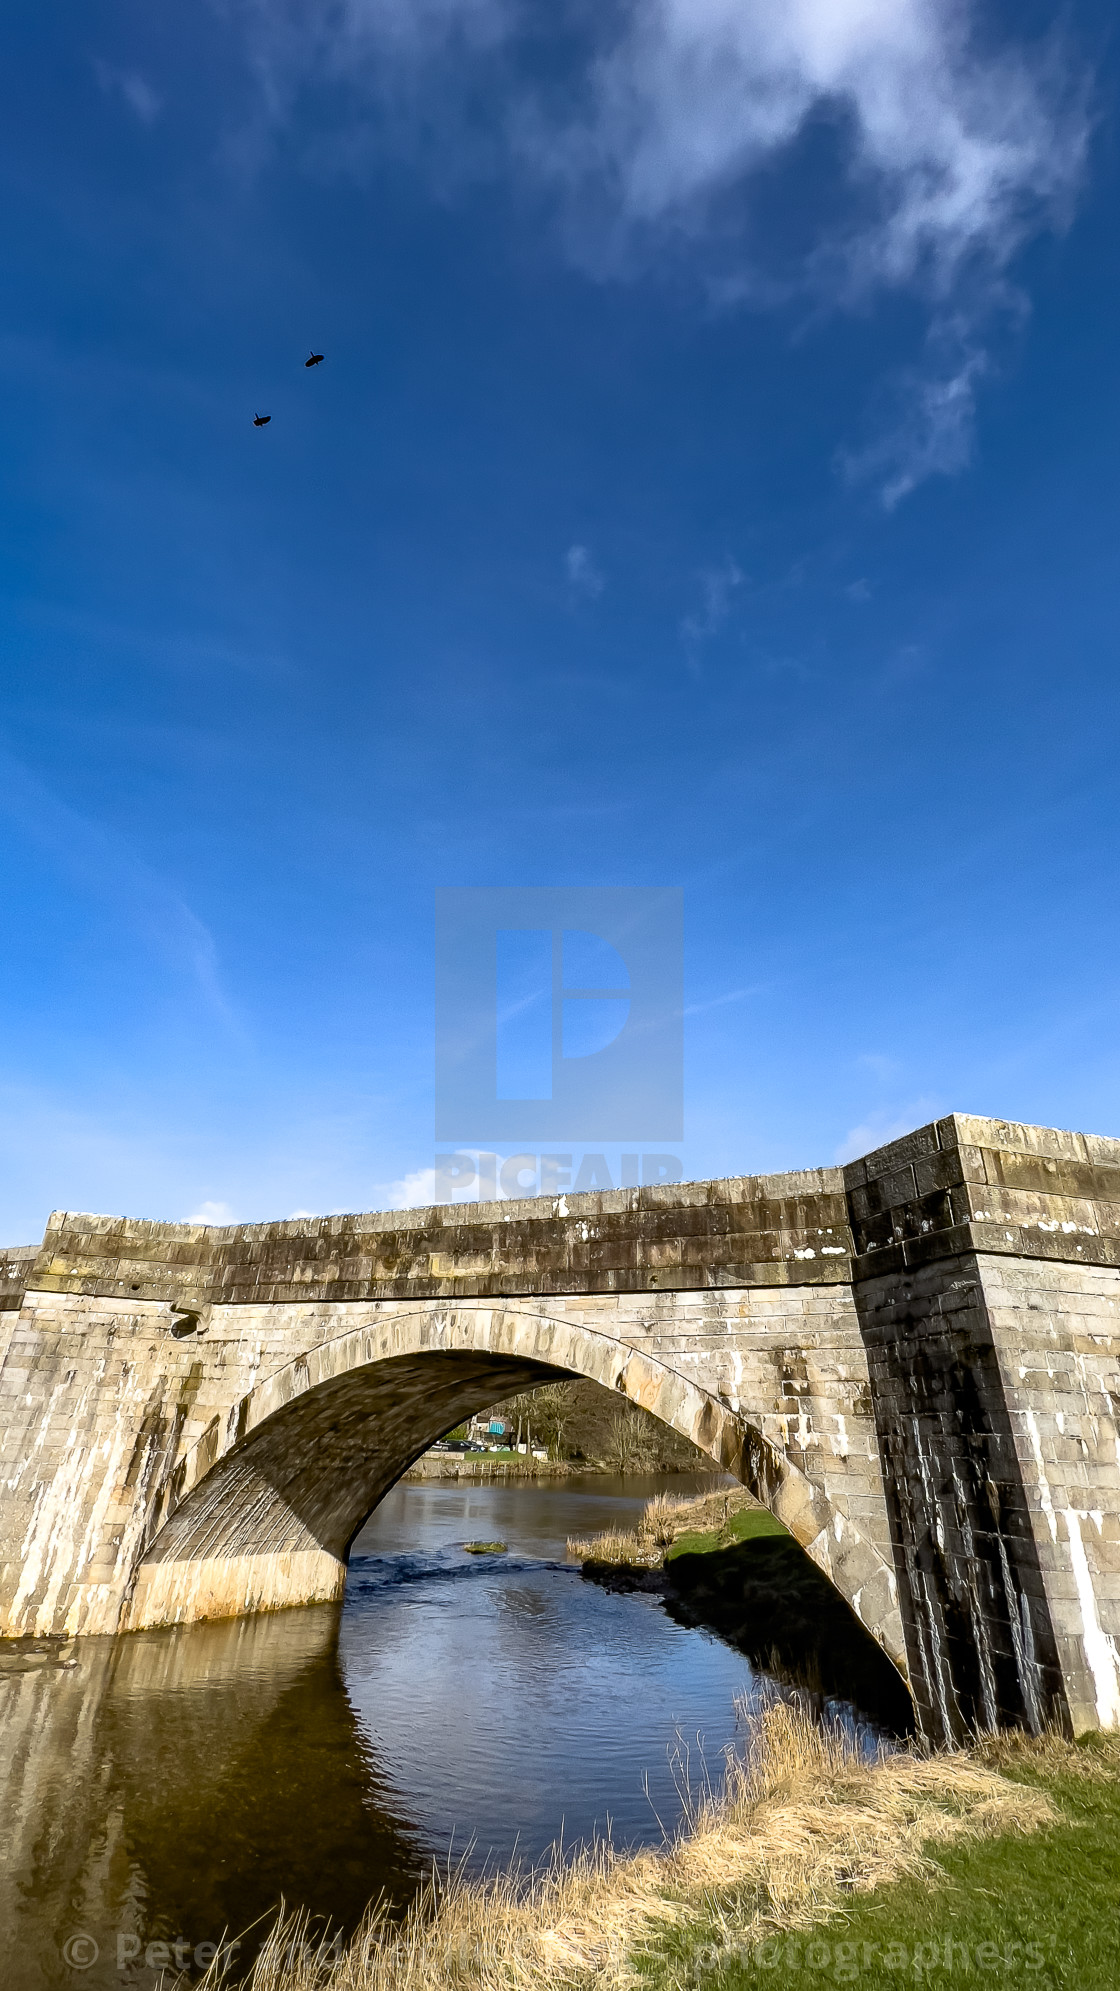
(174, 1785)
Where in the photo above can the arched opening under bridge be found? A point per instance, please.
(263, 1514)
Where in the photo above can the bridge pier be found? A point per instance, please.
(915, 1361)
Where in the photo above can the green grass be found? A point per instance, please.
(745, 1526)
(1040, 1909)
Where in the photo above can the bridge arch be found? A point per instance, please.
(261, 1511)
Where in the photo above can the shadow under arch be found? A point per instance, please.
(260, 1515)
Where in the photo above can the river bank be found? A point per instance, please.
(485, 1466)
(482, 1467)
(810, 1863)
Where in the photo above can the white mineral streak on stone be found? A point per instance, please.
(1033, 1674)
(932, 1504)
(936, 1665)
(1018, 1614)
(979, 1620)
(1044, 1499)
(1100, 1649)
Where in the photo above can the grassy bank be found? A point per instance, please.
(678, 1524)
(1021, 1907)
(808, 1866)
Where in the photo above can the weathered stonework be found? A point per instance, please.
(915, 1361)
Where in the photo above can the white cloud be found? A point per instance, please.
(584, 577)
(934, 153)
(412, 1192)
(213, 1213)
(699, 93)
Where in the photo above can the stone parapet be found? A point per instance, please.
(748, 1230)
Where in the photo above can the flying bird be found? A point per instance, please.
(316, 359)
(259, 421)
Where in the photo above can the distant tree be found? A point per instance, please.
(551, 1410)
(583, 1420)
(631, 1446)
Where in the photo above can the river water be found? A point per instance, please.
(171, 1786)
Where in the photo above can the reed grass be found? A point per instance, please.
(663, 1520)
(799, 1823)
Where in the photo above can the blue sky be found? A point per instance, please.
(712, 481)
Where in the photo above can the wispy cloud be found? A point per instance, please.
(131, 88)
(880, 1064)
(104, 866)
(584, 577)
(889, 1125)
(933, 430)
(721, 1001)
(717, 587)
(926, 156)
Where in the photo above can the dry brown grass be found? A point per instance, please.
(663, 1519)
(1052, 1756)
(800, 1823)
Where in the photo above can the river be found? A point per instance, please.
(170, 1786)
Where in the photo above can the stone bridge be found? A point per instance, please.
(913, 1360)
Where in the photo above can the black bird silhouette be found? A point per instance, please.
(260, 420)
(315, 360)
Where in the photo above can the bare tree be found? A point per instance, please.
(632, 1449)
